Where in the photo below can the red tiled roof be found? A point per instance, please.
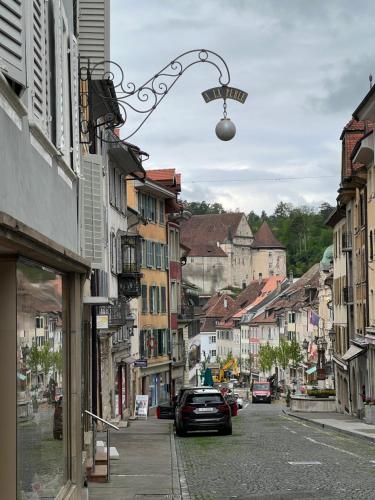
(161, 174)
(295, 295)
(351, 134)
(262, 318)
(265, 238)
(165, 176)
(203, 232)
(216, 308)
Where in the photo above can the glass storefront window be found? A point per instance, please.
(40, 389)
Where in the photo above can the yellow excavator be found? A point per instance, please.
(227, 371)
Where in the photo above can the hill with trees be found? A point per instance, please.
(300, 229)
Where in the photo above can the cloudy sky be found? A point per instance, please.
(305, 65)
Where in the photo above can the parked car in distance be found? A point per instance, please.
(261, 392)
(239, 401)
(232, 401)
(201, 410)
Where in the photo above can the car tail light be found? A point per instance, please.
(187, 409)
(224, 408)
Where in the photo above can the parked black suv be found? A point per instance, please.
(203, 409)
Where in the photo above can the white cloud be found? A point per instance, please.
(301, 63)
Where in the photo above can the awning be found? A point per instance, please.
(311, 370)
(352, 352)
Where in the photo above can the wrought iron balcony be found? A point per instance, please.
(347, 242)
(117, 313)
(129, 284)
(186, 314)
(348, 295)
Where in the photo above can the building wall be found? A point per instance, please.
(30, 172)
(209, 274)
(268, 262)
(339, 281)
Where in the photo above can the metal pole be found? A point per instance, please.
(108, 453)
(93, 444)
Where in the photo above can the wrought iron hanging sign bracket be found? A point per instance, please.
(107, 101)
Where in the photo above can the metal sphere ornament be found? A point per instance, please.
(225, 129)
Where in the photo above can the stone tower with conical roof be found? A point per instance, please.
(268, 254)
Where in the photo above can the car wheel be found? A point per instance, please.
(180, 432)
(227, 431)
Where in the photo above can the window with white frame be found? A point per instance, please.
(212, 339)
(213, 353)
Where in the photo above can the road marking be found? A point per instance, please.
(246, 405)
(290, 430)
(332, 447)
(305, 463)
(372, 461)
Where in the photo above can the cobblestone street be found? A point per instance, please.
(273, 456)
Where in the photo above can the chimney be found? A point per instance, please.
(291, 277)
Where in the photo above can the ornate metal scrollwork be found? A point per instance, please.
(120, 98)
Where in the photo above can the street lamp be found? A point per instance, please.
(122, 98)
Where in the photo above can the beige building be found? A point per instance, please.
(225, 253)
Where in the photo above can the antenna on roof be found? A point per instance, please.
(370, 79)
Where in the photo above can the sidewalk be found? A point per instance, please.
(147, 467)
(338, 422)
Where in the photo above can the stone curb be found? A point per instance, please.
(330, 427)
(176, 485)
(183, 486)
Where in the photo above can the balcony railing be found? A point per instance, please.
(129, 284)
(348, 295)
(117, 313)
(347, 242)
(187, 313)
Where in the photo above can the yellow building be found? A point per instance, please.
(154, 342)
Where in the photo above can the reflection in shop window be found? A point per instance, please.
(40, 390)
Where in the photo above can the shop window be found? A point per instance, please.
(41, 396)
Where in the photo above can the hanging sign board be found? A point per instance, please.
(140, 363)
(224, 92)
(141, 406)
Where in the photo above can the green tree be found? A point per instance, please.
(34, 359)
(266, 357)
(57, 361)
(283, 354)
(46, 359)
(295, 353)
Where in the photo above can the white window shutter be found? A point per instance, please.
(74, 89)
(57, 10)
(12, 40)
(92, 223)
(119, 254)
(62, 81)
(38, 67)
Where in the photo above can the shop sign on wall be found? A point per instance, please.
(102, 322)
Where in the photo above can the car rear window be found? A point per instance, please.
(201, 399)
(261, 387)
